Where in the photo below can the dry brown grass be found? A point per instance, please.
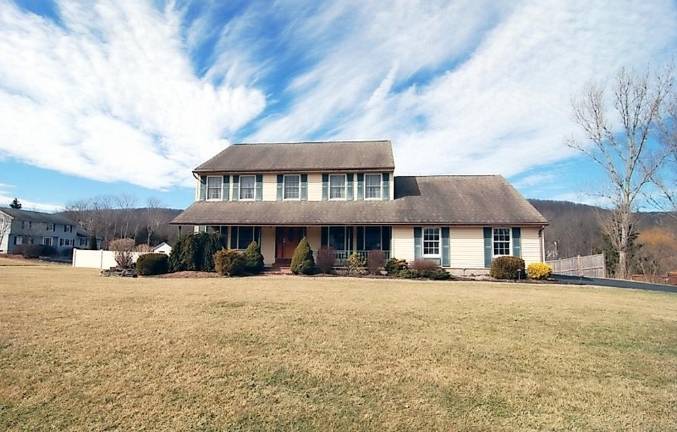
(78, 351)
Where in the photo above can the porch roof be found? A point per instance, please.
(448, 200)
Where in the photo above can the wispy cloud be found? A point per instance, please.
(110, 94)
(6, 198)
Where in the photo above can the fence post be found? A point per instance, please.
(100, 259)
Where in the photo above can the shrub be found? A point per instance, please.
(253, 258)
(66, 253)
(35, 250)
(230, 262)
(18, 250)
(326, 258)
(375, 261)
(195, 252)
(393, 266)
(424, 269)
(152, 264)
(303, 262)
(93, 244)
(539, 271)
(123, 249)
(355, 263)
(421, 264)
(507, 267)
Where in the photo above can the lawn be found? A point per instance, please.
(83, 352)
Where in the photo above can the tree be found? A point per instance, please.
(123, 249)
(153, 216)
(620, 139)
(302, 261)
(15, 204)
(5, 224)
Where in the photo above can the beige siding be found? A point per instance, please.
(315, 187)
(466, 246)
(531, 245)
(269, 187)
(314, 237)
(402, 243)
(268, 245)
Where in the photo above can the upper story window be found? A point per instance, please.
(337, 186)
(68, 228)
(247, 187)
(214, 187)
(373, 185)
(431, 242)
(292, 186)
(26, 224)
(50, 227)
(501, 241)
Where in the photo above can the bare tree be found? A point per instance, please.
(153, 216)
(5, 224)
(619, 136)
(125, 203)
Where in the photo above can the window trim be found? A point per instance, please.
(239, 187)
(493, 241)
(380, 186)
(439, 242)
(220, 188)
(284, 187)
(345, 187)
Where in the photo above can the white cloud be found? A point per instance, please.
(6, 198)
(111, 94)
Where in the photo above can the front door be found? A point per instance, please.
(286, 240)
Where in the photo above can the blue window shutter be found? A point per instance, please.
(280, 181)
(304, 187)
(257, 236)
(386, 186)
(203, 188)
(350, 194)
(236, 188)
(488, 252)
(325, 187)
(517, 241)
(225, 195)
(259, 187)
(418, 242)
(445, 247)
(360, 238)
(233, 237)
(324, 241)
(360, 186)
(386, 237)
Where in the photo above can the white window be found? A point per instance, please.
(18, 240)
(47, 241)
(247, 187)
(337, 186)
(214, 188)
(292, 186)
(68, 228)
(431, 242)
(49, 227)
(501, 241)
(372, 186)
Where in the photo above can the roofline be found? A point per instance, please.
(457, 224)
(315, 142)
(294, 170)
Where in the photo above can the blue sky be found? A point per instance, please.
(107, 97)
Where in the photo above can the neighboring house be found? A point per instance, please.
(164, 248)
(30, 227)
(345, 195)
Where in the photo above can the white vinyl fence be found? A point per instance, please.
(588, 266)
(98, 259)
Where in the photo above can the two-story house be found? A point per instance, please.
(21, 227)
(345, 195)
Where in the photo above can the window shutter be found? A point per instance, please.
(350, 194)
(445, 247)
(203, 188)
(257, 236)
(259, 187)
(386, 187)
(325, 187)
(324, 241)
(349, 238)
(234, 231)
(236, 188)
(360, 238)
(418, 242)
(226, 188)
(224, 236)
(517, 241)
(386, 235)
(280, 184)
(488, 252)
(304, 187)
(360, 186)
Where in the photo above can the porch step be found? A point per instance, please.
(277, 270)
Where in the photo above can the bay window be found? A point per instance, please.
(501, 241)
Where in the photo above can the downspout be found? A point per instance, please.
(542, 235)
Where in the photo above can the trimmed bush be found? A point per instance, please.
(152, 264)
(326, 258)
(393, 266)
(424, 269)
(229, 262)
(303, 262)
(539, 271)
(36, 251)
(355, 263)
(195, 252)
(376, 260)
(507, 267)
(253, 258)
(421, 264)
